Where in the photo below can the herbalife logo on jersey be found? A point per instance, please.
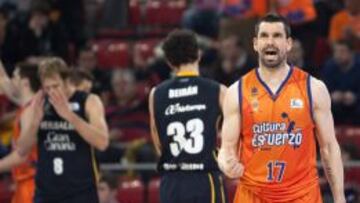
(296, 104)
(58, 142)
(178, 108)
(183, 92)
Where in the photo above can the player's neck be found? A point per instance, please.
(274, 74)
(188, 69)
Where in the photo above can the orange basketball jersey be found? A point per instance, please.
(27, 169)
(278, 146)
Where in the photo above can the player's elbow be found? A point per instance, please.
(21, 159)
(329, 148)
(22, 153)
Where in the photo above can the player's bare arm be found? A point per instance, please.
(222, 93)
(95, 131)
(30, 122)
(154, 133)
(15, 158)
(228, 158)
(8, 87)
(11, 160)
(329, 147)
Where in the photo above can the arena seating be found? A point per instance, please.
(131, 191)
(112, 53)
(164, 12)
(154, 195)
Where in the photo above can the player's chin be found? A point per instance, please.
(271, 63)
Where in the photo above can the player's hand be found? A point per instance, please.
(60, 103)
(230, 165)
(37, 107)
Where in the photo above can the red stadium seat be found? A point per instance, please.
(352, 176)
(164, 12)
(145, 48)
(5, 191)
(322, 51)
(112, 53)
(175, 11)
(131, 191)
(155, 11)
(134, 13)
(154, 193)
(348, 134)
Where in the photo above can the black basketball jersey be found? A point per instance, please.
(186, 110)
(66, 163)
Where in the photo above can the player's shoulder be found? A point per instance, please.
(317, 86)
(201, 81)
(92, 100)
(209, 83)
(300, 74)
(233, 89)
(165, 83)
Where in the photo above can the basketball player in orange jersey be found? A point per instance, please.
(270, 116)
(21, 90)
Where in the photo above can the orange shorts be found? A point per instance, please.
(24, 191)
(244, 195)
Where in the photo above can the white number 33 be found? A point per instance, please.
(194, 144)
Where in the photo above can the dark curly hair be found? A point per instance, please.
(274, 18)
(181, 47)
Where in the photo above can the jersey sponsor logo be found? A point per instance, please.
(178, 108)
(296, 104)
(74, 106)
(56, 125)
(275, 134)
(183, 92)
(183, 166)
(58, 142)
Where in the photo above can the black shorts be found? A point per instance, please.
(84, 196)
(178, 187)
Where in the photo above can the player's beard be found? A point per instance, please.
(274, 61)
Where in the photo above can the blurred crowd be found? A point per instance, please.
(116, 45)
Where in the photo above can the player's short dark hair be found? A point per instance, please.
(274, 18)
(181, 47)
(110, 180)
(77, 76)
(30, 72)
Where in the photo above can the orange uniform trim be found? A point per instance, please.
(187, 73)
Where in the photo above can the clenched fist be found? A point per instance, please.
(230, 165)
